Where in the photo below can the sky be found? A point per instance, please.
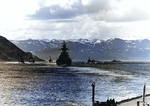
(75, 19)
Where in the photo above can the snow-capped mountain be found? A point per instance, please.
(82, 49)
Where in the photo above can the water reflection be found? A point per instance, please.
(59, 87)
(71, 86)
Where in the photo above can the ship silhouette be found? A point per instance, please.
(64, 59)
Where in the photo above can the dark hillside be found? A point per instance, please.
(10, 52)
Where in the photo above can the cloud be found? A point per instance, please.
(96, 19)
(98, 10)
(58, 12)
(125, 11)
(70, 10)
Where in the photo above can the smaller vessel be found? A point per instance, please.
(31, 59)
(50, 60)
(21, 60)
(64, 59)
(89, 61)
(116, 61)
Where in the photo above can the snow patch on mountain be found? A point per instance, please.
(96, 48)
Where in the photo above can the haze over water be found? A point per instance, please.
(71, 86)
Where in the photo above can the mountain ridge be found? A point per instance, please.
(82, 49)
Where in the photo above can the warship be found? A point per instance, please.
(64, 59)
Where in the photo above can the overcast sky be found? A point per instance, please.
(74, 19)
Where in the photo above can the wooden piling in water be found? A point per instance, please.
(93, 93)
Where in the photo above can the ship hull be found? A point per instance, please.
(64, 62)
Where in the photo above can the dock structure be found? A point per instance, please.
(137, 101)
(143, 103)
(129, 102)
(109, 102)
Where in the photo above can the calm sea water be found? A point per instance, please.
(71, 86)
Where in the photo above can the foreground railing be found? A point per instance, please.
(143, 103)
(112, 102)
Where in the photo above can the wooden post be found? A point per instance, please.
(93, 93)
(138, 103)
(144, 90)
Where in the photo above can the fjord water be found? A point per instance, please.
(71, 86)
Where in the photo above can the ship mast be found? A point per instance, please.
(64, 48)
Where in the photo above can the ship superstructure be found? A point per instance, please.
(64, 59)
